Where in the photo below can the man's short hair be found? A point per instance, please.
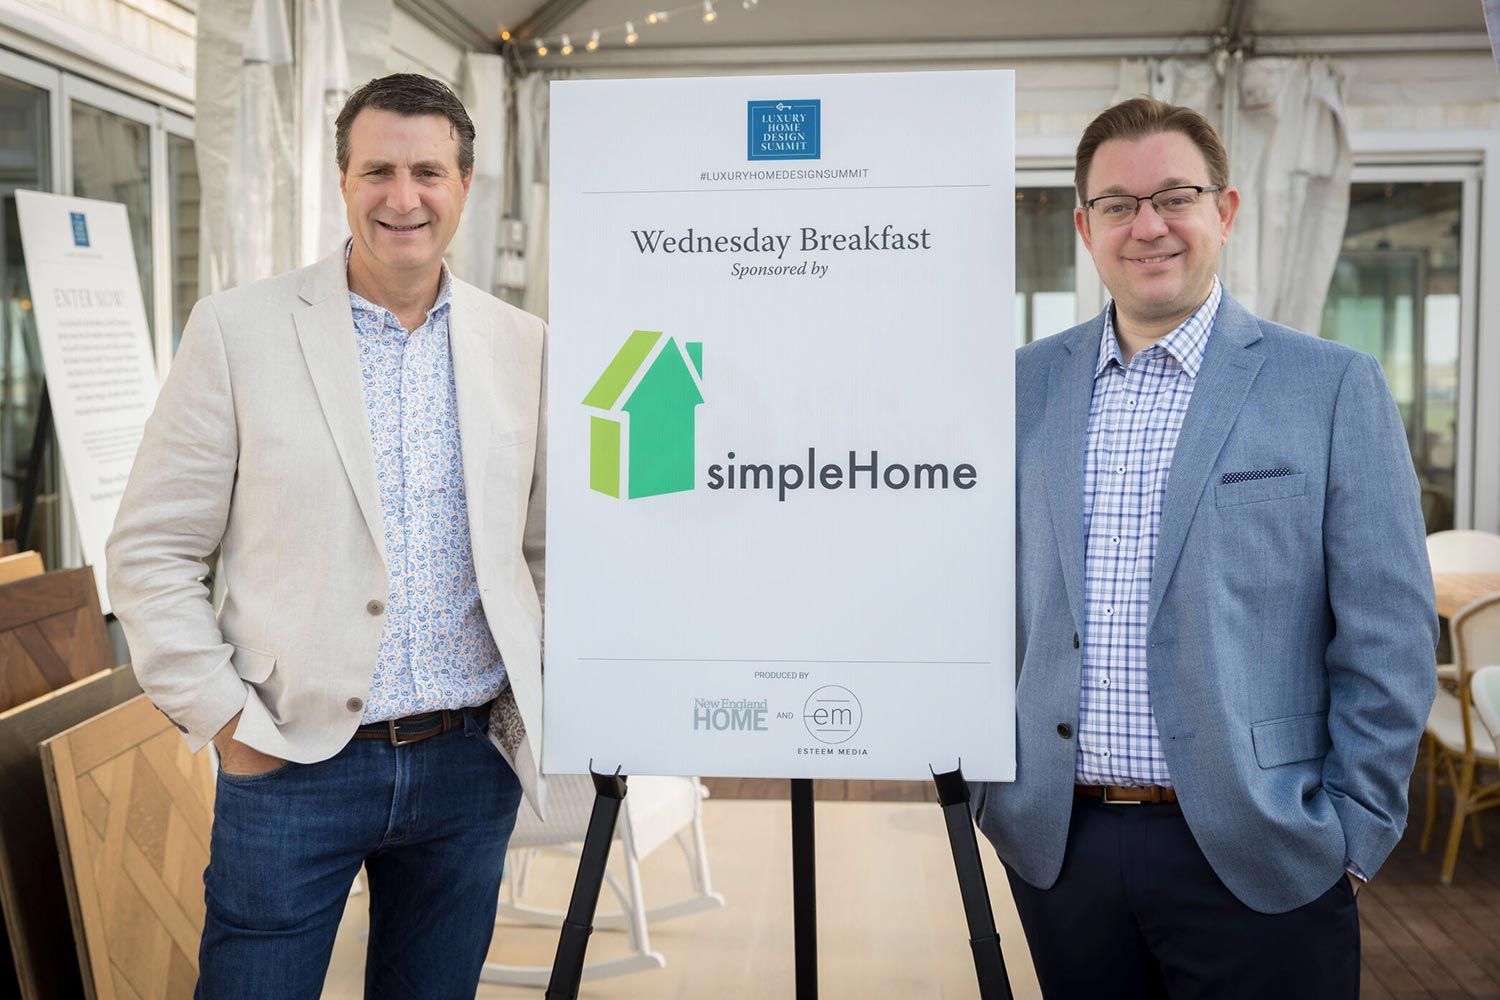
(407, 94)
(1140, 117)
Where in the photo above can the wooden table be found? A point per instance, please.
(1456, 591)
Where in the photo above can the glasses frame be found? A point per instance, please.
(1201, 189)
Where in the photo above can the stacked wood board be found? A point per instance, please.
(37, 921)
(133, 811)
(51, 634)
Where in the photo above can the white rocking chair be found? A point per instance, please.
(656, 809)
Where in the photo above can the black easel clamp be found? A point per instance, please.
(573, 941)
(984, 939)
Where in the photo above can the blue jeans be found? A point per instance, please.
(429, 821)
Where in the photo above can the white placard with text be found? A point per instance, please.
(780, 494)
(96, 350)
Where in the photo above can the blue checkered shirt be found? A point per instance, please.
(436, 650)
(1136, 413)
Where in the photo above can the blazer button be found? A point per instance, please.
(354, 705)
(1063, 730)
(1075, 640)
(376, 607)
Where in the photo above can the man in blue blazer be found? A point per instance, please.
(1225, 620)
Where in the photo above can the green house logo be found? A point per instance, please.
(642, 435)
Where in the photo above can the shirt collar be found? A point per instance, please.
(1186, 344)
(362, 304)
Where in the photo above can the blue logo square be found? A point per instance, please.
(785, 130)
(80, 229)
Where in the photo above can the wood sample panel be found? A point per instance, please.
(133, 809)
(37, 922)
(51, 634)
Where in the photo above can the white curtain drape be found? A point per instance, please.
(325, 87)
(484, 95)
(532, 115)
(1290, 156)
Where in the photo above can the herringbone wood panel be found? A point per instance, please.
(135, 809)
(51, 634)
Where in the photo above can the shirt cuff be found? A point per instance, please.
(1354, 869)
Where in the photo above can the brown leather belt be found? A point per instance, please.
(1124, 795)
(416, 728)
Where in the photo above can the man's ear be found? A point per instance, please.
(1229, 207)
(1081, 223)
(468, 179)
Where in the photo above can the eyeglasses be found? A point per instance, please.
(1170, 203)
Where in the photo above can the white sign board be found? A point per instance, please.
(780, 490)
(96, 350)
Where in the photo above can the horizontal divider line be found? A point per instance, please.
(710, 659)
(831, 187)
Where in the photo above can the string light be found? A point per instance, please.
(631, 36)
(504, 33)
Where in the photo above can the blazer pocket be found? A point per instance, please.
(1257, 490)
(251, 664)
(1288, 740)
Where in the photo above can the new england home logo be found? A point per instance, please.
(785, 130)
(643, 428)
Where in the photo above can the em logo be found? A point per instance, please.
(80, 228)
(642, 437)
(832, 714)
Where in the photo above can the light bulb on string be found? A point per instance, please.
(541, 46)
(504, 33)
(657, 16)
(593, 42)
(749, 4)
(709, 14)
(567, 46)
(630, 35)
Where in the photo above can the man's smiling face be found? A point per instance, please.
(403, 191)
(1158, 270)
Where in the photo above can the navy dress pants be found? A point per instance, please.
(1138, 914)
(429, 821)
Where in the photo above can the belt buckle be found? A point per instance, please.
(1120, 802)
(396, 741)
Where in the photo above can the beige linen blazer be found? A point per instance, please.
(260, 446)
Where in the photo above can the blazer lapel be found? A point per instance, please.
(326, 331)
(1224, 382)
(1070, 390)
(476, 380)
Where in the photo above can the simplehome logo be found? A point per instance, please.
(832, 714)
(642, 437)
(722, 715)
(785, 130)
(80, 229)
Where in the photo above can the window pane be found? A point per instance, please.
(182, 178)
(1046, 298)
(1395, 294)
(112, 162)
(25, 162)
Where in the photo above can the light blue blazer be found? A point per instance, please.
(1291, 619)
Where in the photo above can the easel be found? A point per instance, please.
(953, 797)
(29, 490)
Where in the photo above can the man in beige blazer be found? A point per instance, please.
(362, 439)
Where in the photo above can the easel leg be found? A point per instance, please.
(984, 940)
(804, 889)
(572, 943)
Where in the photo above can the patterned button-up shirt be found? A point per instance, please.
(1134, 419)
(436, 650)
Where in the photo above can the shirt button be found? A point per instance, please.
(1063, 730)
(1104, 754)
(1120, 470)
(376, 607)
(354, 705)
(1104, 682)
(1114, 540)
(1108, 612)
(1129, 402)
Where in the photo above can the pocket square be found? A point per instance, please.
(1245, 477)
